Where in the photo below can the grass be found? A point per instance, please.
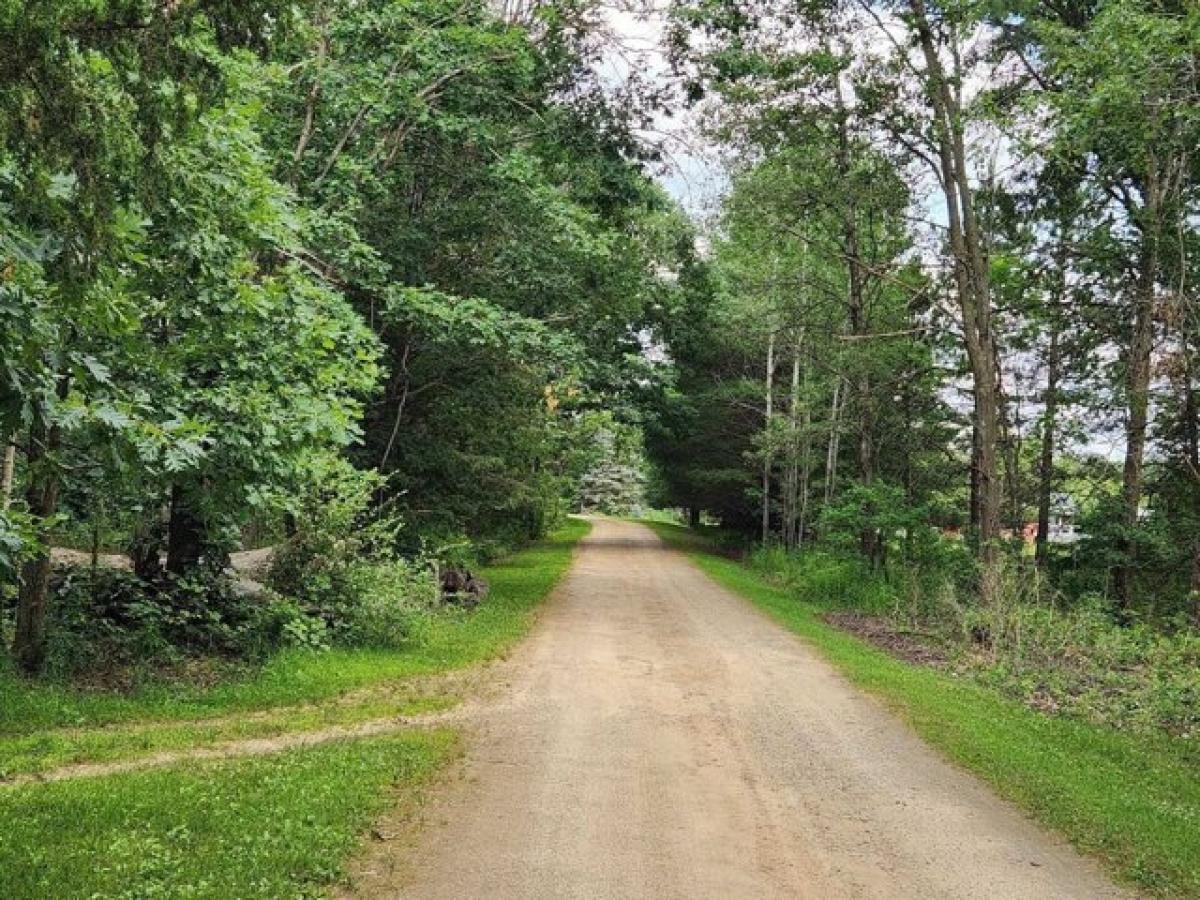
(266, 827)
(32, 754)
(518, 584)
(273, 826)
(1133, 801)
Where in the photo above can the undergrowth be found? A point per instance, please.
(450, 639)
(1059, 657)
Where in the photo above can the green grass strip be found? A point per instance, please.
(32, 754)
(1132, 801)
(267, 827)
(518, 585)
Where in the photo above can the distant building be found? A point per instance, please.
(1063, 526)
(1063, 514)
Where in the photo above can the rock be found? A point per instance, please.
(462, 588)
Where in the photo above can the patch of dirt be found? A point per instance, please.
(913, 647)
(445, 689)
(197, 673)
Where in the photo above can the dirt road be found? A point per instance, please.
(658, 738)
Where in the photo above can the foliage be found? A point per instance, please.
(107, 625)
(605, 460)
(518, 583)
(389, 601)
(1027, 335)
(1069, 660)
(237, 237)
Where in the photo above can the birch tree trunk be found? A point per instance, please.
(791, 526)
(766, 471)
(831, 453)
(6, 478)
(1046, 460)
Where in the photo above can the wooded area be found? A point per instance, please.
(945, 341)
(319, 319)
(959, 248)
(389, 287)
(359, 280)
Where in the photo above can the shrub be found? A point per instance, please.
(1029, 644)
(825, 578)
(1080, 661)
(340, 564)
(390, 600)
(336, 525)
(108, 619)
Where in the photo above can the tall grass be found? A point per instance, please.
(1030, 643)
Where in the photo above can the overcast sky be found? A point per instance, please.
(691, 172)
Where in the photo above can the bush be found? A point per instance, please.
(340, 564)
(107, 619)
(391, 598)
(1080, 661)
(1029, 644)
(825, 578)
(336, 525)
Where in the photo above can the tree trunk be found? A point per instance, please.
(693, 517)
(859, 326)
(1191, 437)
(185, 535)
(973, 477)
(831, 453)
(1010, 433)
(45, 482)
(868, 538)
(1196, 583)
(6, 478)
(1046, 461)
(766, 471)
(1137, 387)
(791, 524)
(146, 544)
(974, 293)
(805, 476)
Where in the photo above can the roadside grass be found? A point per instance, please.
(1131, 800)
(33, 754)
(263, 827)
(51, 717)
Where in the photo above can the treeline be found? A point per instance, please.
(331, 274)
(956, 268)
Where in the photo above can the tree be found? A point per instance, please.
(1120, 81)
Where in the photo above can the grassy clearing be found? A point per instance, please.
(1133, 801)
(266, 827)
(450, 641)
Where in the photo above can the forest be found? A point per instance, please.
(949, 313)
(363, 281)
(321, 322)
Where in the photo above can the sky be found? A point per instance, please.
(691, 172)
